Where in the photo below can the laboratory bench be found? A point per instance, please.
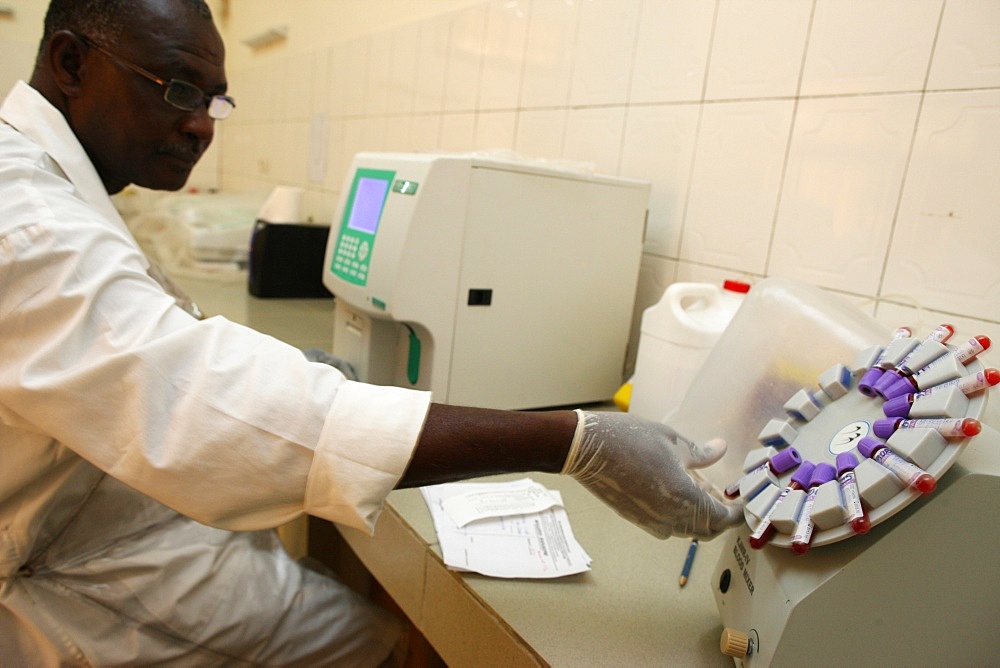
(628, 610)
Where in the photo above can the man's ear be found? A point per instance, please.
(66, 59)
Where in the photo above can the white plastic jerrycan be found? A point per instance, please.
(676, 336)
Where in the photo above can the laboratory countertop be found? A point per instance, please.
(629, 609)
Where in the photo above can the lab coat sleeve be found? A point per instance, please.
(228, 426)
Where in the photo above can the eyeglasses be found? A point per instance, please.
(176, 93)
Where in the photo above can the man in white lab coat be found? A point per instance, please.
(146, 453)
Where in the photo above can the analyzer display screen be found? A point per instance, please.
(369, 198)
(362, 213)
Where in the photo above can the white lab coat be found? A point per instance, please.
(117, 409)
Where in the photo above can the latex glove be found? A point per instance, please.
(639, 468)
(342, 365)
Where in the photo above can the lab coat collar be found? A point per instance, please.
(28, 112)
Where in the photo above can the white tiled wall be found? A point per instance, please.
(853, 144)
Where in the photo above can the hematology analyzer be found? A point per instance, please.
(489, 281)
(919, 587)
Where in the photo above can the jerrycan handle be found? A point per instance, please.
(682, 296)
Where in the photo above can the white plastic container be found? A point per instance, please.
(676, 336)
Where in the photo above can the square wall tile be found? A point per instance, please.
(425, 132)
(353, 61)
(495, 130)
(503, 55)
(252, 91)
(967, 54)
(734, 186)
(297, 91)
(671, 52)
(922, 321)
(237, 146)
(540, 133)
(605, 45)
(319, 94)
(944, 251)
(757, 48)
(335, 150)
(853, 50)
(398, 133)
(290, 164)
(358, 137)
(659, 147)
(432, 65)
(595, 136)
(548, 56)
(458, 131)
(465, 58)
(402, 70)
(338, 71)
(377, 78)
(842, 184)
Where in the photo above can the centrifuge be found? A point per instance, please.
(803, 580)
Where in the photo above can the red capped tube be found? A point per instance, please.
(926, 352)
(867, 383)
(784, 461)
(804, 526)
(912, 475)
(854, 512)
(947, 427)
(765, 530)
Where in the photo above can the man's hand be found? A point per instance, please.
(639, 468)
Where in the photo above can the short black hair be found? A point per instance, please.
(103, 20)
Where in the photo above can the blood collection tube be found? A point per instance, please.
(967, 384)
(926, 352)
(784, 461)
(927, 377)
(911, 474)
(971, 348)
(867, 383)
(974, 382)
(765, 530)
(804, 526)
(854, 513)
(947, 427)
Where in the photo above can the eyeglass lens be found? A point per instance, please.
(189, 97)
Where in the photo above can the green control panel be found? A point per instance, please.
(365, 202)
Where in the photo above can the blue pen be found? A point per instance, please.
(686, 571)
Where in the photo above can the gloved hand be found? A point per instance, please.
(342, 365)
(639, 468)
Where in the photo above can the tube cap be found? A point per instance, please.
(898, 406)
(868, 445)
(885, 427)
(822, 473)
(867, 383)
(846, 461)
(899, 388)
(786, 460)
(803, 474)
(887, 380)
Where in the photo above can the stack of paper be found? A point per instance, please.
(509, 529)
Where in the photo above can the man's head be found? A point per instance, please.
(96, 64)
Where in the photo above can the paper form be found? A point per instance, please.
(510, 529)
